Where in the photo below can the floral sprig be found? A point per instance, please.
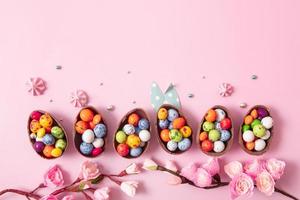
(89, 177)
(244, 178)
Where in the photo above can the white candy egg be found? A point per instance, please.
(259, 145)
(248, 136)
(88, 136)
(220, 114)
(219, 146)
(171, 145)
(267, 135)
(267, 122)
(98, 142)
(144, 135)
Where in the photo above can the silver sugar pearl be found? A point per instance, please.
(190, 95)
(110, 107)
(254, 77)
(243, 105)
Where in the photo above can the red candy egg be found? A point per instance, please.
(92, 125)
(97, 151)
(133, 119)
(123, 149)
(207, 145)
(36, 115)
(226, 123)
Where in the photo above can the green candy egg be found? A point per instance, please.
(214, 135)
(246, 127)
(259, 130)
(255, 122)
(61, 143)
(57, 132)
(175, 135)
(121, 137)
(207, 126)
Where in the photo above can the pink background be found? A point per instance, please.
(167, 41)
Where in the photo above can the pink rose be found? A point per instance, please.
(202, 178)
(265, 183)
(68, 197)
(240, 185)
(212, 166)
(53, 177)
(233, 168)
(102, 194)
(253, 168)
(49, 197)
(189, 171)
(275, 168)
(89, 170)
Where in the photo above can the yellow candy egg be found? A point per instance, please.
(34, 126)
(133, 141)
(56, 152)
(46, 120)
(186, 131)
(162, 114)
(41, 132)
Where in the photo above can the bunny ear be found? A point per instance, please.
(171, 96)
(157, 96)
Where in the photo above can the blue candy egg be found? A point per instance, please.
(135, 152)
(163, 123)
(86, 148)
(143, 124)
(184, 144)
(137, 129)
(100, 130)
(225, 135)
(48, 139)
(172, 114)
(218, 126)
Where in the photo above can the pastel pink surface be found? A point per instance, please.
(167, 41)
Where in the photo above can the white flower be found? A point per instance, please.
(102, 194)
(171, 166)
(133, 169)
(150, 165)
(129, 187)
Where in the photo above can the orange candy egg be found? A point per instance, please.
(34, 126)
(86, 115)
(248, 119)
(47, 151)
(178, 123)
(164, 135)
(254, 113)
(97, 119)
(203, 136)
(250, 145)
(92, 125)
(81, 126)
(133, 119)
(211, 115)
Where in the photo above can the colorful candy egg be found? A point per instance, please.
(178, 123)
(143, 124)
(207, 145)
(61, 143)
(86, 115)
(97, 151)
(56, 152)
(248, 136)
(144, 135)
(98, 142)
(100, 130)
(186, 131)
(226, 123)
(221, 114)
(57, 132)
(219, 146)
(133, 119)
(96, 119)
(81, 126)
(47, 151)
(34, 126)
(214, 135)
(46, 120)
(267, 122)
(88, 136)
(41, 132)
(211, 115)
(129, 129)
(39, 146)
(36, 115)
(86, 148)
(123, 149)
(172, 114)
(133, 141)
(162, 114)
(164, 135)
(163, 123)
(48, 139)
(207, 126)
(172, 145)
(175, 135)
(135, 152)
(184, 144)
(121, 137)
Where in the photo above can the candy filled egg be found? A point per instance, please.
(133, 133)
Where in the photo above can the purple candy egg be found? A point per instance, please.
(39, 146)
(261, 112)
